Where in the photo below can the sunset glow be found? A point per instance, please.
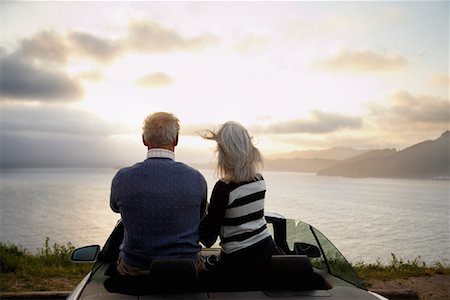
(300, 75)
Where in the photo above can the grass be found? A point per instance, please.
(398, 269)
(50, 269)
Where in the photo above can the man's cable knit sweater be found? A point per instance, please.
(161, 202)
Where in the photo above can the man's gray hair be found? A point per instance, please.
(161, 128)
(238, 159)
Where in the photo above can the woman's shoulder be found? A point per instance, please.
(233, 185)
(258, 177)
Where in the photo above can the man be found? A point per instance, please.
(161, 201)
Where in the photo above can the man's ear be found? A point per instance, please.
(143, 141)
(176, 141)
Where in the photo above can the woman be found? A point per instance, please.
(236, 209)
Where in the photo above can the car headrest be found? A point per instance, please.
(174, 275)
(290, 272)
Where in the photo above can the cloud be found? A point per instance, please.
(441, 80)
(86, 44)
(319, 122)
(364, 61)
(251, 44)
(44, 46)
(149, 36)
(54, 135)
(56, 120)
(416, 112)
(93, 75)
(315, 26)
(21, 80)
(35, 70)
(51, 47)
(367, 141)
(157, 79)
(197, 129)
(58, 150)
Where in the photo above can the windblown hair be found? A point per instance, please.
(238, 159)
(160, 128)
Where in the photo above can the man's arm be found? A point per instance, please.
(113, 203)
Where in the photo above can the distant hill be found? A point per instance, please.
(285, 165)
(356, 166)
(203, 166)
(429, 159)
(298, 164)
(335, 153)
(426, 160)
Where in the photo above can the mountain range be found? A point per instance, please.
(425, 160)
(335, 153)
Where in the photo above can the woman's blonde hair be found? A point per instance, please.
(160, 128)
(238, 159)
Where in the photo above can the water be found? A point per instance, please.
(367, 219)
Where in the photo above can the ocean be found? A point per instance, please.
(368, 219)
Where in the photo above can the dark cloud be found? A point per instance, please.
(86, 44)
(157, 79)
(149, 36)
(21, 80)
(37, 149)
(35, 70)
(25, 149)
(53, 136)
(56, 120)
(364, 61)
(319, 122)
(50, 136)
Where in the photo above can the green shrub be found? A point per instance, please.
(10, 256)
(21, 270)
(50, 260)
(55, 255)
(399, 268)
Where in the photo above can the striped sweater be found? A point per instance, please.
(236, 214)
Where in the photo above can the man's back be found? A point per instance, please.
(161, 202)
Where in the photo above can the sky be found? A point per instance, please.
(78, 78)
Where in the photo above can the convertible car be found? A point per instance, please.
(308, 267)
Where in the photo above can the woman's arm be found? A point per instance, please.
(211, 223)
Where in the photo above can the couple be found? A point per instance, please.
(164, 208)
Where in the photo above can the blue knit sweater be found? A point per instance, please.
(161, 203)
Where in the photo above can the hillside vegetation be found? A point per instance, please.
(425, 160)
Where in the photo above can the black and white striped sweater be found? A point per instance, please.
(236, 214)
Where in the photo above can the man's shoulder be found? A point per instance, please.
(167, 163)
(128, 169)
(188, 168)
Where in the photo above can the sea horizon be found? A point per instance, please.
(368, 219)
